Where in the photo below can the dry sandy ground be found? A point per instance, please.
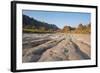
(56, 47)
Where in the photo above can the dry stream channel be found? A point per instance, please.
(55, 47)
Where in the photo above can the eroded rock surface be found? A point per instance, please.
(56, 47)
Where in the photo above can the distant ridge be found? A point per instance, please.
(31, 23)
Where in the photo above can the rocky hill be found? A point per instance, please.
(31, 24)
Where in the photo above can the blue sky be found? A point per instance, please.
(60, 19)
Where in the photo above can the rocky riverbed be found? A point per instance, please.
(55, 47)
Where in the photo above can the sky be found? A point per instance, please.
(60, 19)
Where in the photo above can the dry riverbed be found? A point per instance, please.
(55, 47)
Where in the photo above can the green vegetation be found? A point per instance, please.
(35, 31)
